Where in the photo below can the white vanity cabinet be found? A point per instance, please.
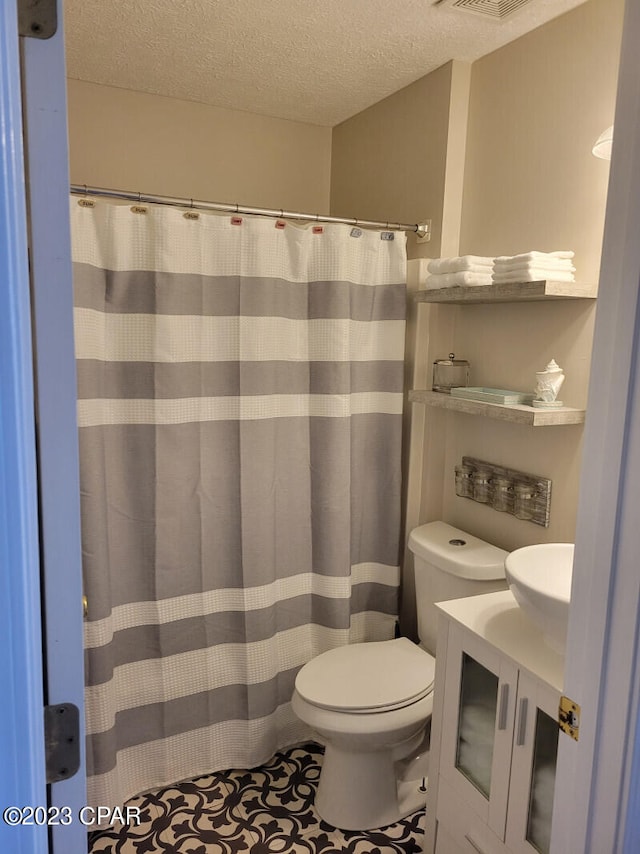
(495, 733)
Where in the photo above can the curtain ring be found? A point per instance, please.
(192, 203)
(139, 199)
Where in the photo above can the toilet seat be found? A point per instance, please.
(366, 678)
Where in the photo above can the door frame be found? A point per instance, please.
(602, 666)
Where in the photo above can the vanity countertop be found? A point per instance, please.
(497, 618)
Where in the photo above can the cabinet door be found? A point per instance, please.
(535, 748)
(477, 729)
(460, 829)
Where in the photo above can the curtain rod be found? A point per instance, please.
(423, 230)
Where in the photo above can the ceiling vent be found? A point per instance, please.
(498, 10)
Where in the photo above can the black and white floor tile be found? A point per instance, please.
(267, 810)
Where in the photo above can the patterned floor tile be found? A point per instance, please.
(189, 818)
(277, 803)
(267, 810)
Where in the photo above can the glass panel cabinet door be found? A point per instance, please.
(476, 723)
(477, 727)
(543, 777)
(534, 767)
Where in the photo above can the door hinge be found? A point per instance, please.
(62, 741)
(569, 717)
(37, 19)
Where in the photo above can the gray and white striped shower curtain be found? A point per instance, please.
(240, 398)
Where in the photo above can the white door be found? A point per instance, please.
(44, 95)
(597, 796)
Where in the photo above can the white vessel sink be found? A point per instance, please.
(540, 579)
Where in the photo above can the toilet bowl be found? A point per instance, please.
(370, 703)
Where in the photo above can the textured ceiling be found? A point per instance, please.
(318, 61)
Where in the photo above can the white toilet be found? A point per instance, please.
(370, 703)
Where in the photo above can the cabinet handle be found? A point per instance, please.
(504, 703)
(474, 844)
(522, 721)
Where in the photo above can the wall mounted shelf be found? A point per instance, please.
(512, 292)
(515, 414)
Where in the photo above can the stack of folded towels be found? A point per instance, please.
(465, 271)
(534, 267)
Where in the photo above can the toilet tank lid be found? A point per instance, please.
(457, 552)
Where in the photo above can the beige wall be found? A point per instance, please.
(403, 159)
(389, 162)
(531, 182)
(526, 180)
(134, 141)
(537, 106)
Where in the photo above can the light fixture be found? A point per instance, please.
(602, 148)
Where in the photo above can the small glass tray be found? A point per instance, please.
(494, 395)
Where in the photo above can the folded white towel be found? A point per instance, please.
(468, 263)
(562, 267)
(465, 278)
(528, 257)
(533, 275)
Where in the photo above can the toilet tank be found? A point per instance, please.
(450, 564)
